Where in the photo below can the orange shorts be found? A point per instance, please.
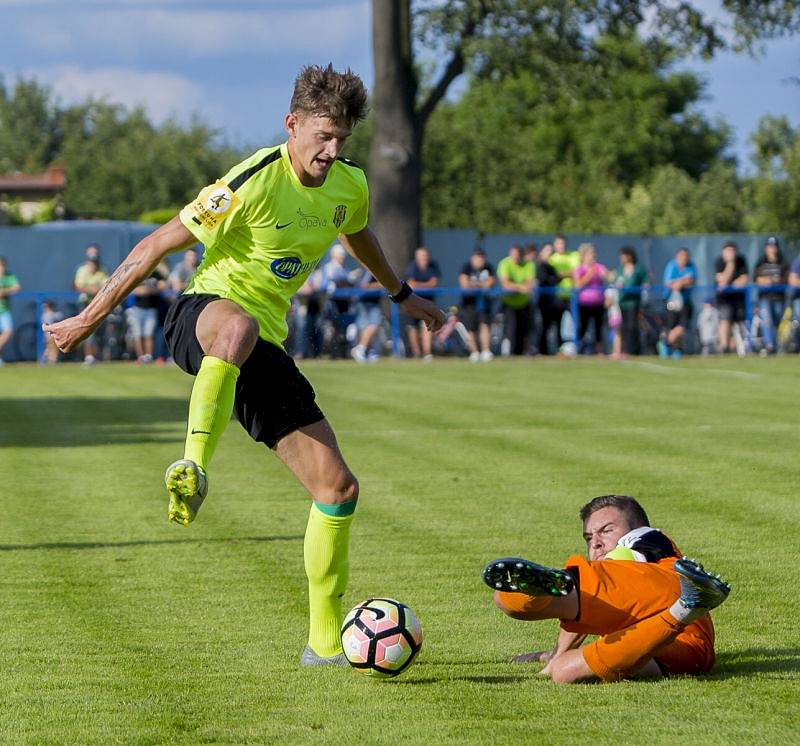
(614, 594)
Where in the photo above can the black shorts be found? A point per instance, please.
(680, 318)
(731, 309)
(273, 398)
(472, 317)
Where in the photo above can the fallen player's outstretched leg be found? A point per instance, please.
(517, 575)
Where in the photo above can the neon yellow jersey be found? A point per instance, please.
(264, 232)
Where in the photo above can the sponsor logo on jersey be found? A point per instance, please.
(219, 201)
(339, 215)
(213, 205)
(307, 220)
(288, 267)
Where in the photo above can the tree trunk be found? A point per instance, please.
(394, 160)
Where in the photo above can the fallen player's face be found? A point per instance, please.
(602, 530)
(315, 144)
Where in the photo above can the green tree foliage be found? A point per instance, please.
(512, 154)
(29, 127)
(118, 163)
(773, 194)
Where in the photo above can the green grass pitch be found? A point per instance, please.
(117, 627)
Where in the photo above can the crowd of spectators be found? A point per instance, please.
(557, 301)
(548, 300)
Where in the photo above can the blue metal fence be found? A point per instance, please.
(27, 307)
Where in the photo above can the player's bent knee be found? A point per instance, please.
(241, 331)
(342, 489)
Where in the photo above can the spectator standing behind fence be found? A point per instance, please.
(142, 316)
(89, 278)
(565, 263)
(9, 284)
(182, 272)
(422, 273)
(307, 304)
(335, 276)
(771, 275)
(50, 316)
(794, 285)
(477, 276)
(546, 280)
(630, 278)
(369, 318)
(590, 280)
(708, 327)
(680, 275)
(730, 273)
(518, 278)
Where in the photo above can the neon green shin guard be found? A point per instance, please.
(210, 408)
(326, 554)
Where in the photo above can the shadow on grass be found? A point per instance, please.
(504, 679)
(755, 661)
(78, 545)
(68, 422)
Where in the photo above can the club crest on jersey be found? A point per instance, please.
(339, 215)
(288, 267)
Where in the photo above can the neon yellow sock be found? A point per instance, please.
(210, 408)
(326, 554)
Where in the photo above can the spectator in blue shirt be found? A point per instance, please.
(680, 275)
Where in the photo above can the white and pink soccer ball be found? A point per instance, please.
(381, 637)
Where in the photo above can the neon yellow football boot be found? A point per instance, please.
(187, 486)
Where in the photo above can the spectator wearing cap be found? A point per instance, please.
(421, 274)
(89, 278)
(476, 279)
(517, 277)
(9, 284)
(730, 273)
(771, 274)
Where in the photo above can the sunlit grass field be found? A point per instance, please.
(117, 627)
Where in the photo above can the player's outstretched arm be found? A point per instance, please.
(137, 266)
(365, 247)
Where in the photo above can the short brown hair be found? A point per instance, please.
(321, 91)
(628, 506)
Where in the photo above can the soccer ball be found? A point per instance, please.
(381, 637)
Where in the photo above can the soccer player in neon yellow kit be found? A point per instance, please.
(265, 226)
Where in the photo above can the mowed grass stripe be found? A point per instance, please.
(457, 463)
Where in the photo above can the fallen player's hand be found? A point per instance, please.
(424, 310)
(69, 333)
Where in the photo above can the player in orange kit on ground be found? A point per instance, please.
(649, 605)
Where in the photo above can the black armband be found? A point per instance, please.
(402, 294)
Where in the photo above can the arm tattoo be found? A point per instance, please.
(117, 277)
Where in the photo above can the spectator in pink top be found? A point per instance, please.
(590, 278)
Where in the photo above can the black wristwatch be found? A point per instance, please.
(402, 294)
